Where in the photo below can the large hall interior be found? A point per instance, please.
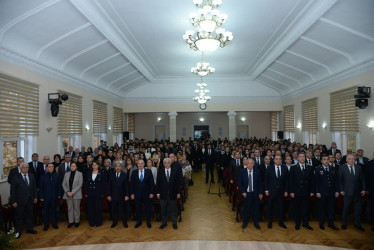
(143, 74)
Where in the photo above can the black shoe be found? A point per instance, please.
(344, 227)
(138, 224)
(308, 227)
(163, 226)
(32, 231)
(257, 226)
(55, 226)
(281, 224)
(244, 225)
(270, 225)
(333, 227)
(322, 227)
(372, 229)
(262, 220)
(149, 225)
(175, 226)
(125, 225)
(45, 228)
(77, 224)
(206, 182)
(297, 227)
(113, 224)
(70, 225)
(359, 227)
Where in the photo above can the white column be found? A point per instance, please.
(232, 125)
(173, 126)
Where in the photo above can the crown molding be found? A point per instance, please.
(359, 69)
(301, 18)
(14, 58)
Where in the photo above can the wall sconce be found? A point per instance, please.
(371, 125)
(242, 119)
(109, 128)
(87, 128)
(159, 119)
(324, 125)
(201, 119)
(49, 129)
(298, 125)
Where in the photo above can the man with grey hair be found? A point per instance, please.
(352, 187)
(168, 191)
(23, 195)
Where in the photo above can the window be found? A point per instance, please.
(100, 122)
(289, 122)
(344, 119)
(19, 121)
(117, 125)
(274, 125)
(309, 110)
(131, 125)
(69, 125)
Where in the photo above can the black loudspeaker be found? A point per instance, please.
(280, 135)
(126, 135)
(362, 103)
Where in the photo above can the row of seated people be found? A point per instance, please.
(92, 186)
(299, 187)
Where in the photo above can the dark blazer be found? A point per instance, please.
(118, 188)
(38, 172)
(263, 170)
(50, 186)
(276, 185)
(142, 189)
(349, 184)
(234, 170)
(31, 167)
(210, 159)
(12, 173)
(329, 152)
(243, 181)
(95, 187)
(315, 162)
(61, 171)
(300, 182)
(226, 160)
(168, 189)
(20, 192)
(326, 182)
(261, 161)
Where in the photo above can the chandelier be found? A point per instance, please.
(209, 21)
(202, 92)
(202, 68)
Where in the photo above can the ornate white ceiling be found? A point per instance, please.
(134, 51)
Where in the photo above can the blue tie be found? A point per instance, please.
(27, 182)
(141, 176)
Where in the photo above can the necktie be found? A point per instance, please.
(45, 169)
(117, 176)
(309, 162)
(351, 170)
(258, 161)
(35, 166)
(237, 162)
(68, 167)
(278, 172)
(302, 167)
(167, 175)
(26, 181)
(250, 181)
(141, 176)
(209, 151)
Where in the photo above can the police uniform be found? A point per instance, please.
(326, 179)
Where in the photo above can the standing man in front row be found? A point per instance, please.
(23, 196)
(326, 180)
(250, 186)
(352, 187)
(168, 191)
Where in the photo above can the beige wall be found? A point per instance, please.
(258, 123)
(145, 122)
(323, 94)
(47, 142)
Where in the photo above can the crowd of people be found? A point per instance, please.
(264, 178)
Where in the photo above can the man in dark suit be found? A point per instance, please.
(333, 150)
(168, 191)
(70, 152)
(327, 190)
(250, 186)
(225, 163)
(209, 159)
(236, 164)
(142, 190)
(258, 159)
(33, 167)
(15, 171)
(362, 160)
(317, 158)
(276, 189)
(22, 197)
(64, 167)
(265, 166)
(118, 193)
(352, 187)
(50, 190)
(300, 189)
(175, 165)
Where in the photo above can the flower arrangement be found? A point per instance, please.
(7, 240)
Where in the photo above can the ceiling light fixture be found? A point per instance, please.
(209, 21)
(202, 92)
(202, 68)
